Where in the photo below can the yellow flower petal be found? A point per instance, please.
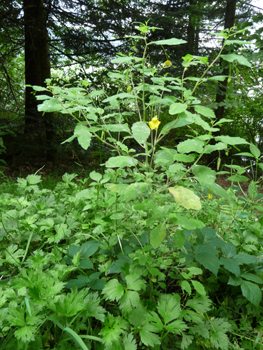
(210, 196)
(129, 88)
(167, 64)
(154, 123)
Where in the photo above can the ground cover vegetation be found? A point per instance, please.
(148, 251)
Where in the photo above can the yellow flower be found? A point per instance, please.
(167, 64)
(154, 123)
(210, 196)
(129, 88)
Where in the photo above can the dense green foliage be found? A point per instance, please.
(149, 253)
(127, 271)
(83, 36)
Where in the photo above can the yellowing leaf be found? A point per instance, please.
(185, 197)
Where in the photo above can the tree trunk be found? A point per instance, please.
(222, 86)
(192, 29)
(37, 70)
(192, 34)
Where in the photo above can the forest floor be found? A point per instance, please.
(71, 165)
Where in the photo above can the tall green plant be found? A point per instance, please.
(104, 119)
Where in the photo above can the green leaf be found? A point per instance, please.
(76, 337)
(234, 281)
(191, 145)
(113, 328)
(129, 342)
(126, 60)
(194, 271)
(229, 250)
(172, 41)
(129, 301)
(13, 254)
(185, 197)
(200, 304)
(177, 108)
(135, 282)
(220, 325)
(223, 120)
(206, 255)
(134, 190)
(176, 168)
(186, 286)
(140, 132)
(202, 329)
(69, 304)
(113, 290)
(115, 75)
(138, 317)
(121, 162)
(177, 123)
(50, 105)
(157, 235)
(244, 258)
(231, 57)
(119, 188)
(84, 194)
(198, 287)
(217, 147)
(254, 150)
(219, 191)
(238, 178)
(184, 158)
(199, 121)
(22, 183)
(251, 292)
(238, 42)
(205, 111)
(218, 329)
(252, 189)
(71, 138)
(96, 93)
(169, 307)
(84, 136)
(26, 334)
(179, 239)
(33, 179)
(89, 248)
(117, 127)
(95, 176)
(148, 336)
(16, 316)
(186, 341)
(218, 77)
(231, 140)
(230, 265)
(204, 174)
(76, 258)
(252, 277)
(189, 224)
(176, 327)
(219, 340)
(39, 88)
